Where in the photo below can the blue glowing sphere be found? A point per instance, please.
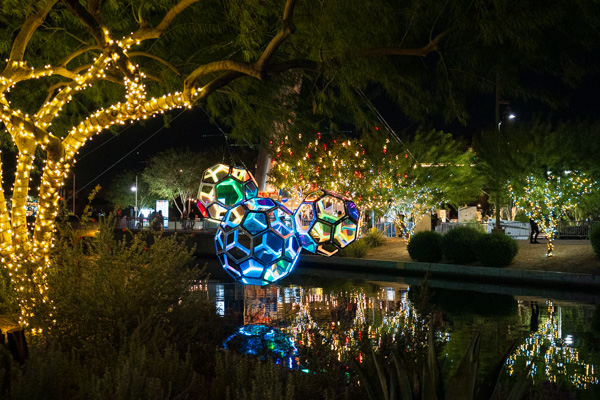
(256, 242)
(326, 222)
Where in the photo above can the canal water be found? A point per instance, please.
(556, 335)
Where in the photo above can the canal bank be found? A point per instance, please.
(520, 277)
(573, 257)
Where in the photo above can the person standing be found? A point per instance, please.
(535, 231)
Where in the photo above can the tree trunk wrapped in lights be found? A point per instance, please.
(548, 199)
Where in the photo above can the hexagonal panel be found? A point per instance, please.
(215, 173)
(330, 208)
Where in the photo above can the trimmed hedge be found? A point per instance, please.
(426, 246)
(595, 238)
(496, 250)
(460, 245)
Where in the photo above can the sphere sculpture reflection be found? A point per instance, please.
(222, 187)
(265, 342)
(256, 243)
(326, 222)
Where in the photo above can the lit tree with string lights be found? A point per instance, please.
(550, 198)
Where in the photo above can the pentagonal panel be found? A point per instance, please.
(252, 269)
(269, 249)
(216, 211)
(304, 217)
(255, 222)
(229, 191)
(250, 189)
(344, 233)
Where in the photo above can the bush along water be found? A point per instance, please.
(496, 250)
(426, 246)
(595, 238)
(460, 244)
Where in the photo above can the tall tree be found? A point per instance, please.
(75, 68)
(176, 174)
(121, 191)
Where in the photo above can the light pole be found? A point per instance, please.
(135, 189)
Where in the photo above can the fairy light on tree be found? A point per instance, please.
(549, 199)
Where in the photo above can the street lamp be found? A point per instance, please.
(135, 189)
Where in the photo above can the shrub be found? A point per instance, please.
(374, 238)
(459, 245)
(358, 249)
(496, 250)
(426, 246)
(595, 238)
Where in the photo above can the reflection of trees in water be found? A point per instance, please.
(551, 356)
(328, 328)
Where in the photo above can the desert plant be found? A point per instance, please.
(374, 238)
(394, 379)
(459, 245)
(358, 249)
(595, 238)
(426, 246)
(496, 250)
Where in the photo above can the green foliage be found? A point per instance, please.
(358, 249)
(137, 371)
(374, 238)
(120, 193)
(175, 174)
(426, 246)
(595, 238)
(460, 245)
(496, 250)
(243, 377)
(522, 217)
(104, 290)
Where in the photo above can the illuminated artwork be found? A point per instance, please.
(256, 243)
(263, 341)
(222, 187)
(326, 222)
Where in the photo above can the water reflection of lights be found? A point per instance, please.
(559, 358)
(341, 321)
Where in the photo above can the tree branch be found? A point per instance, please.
(77, 53)
(29, 27)
(157, 58)
(287, 29)
(399, 51)
(88, 20)
(146, 32)
(219, 66)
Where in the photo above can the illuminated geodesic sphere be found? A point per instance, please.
(326, 222)
(256, 243)
(222, 187)
(264, 341)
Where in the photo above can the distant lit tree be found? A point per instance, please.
(550, 197)
(175, 174)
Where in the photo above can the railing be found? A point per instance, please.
(574, 229)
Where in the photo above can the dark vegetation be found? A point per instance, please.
(426, 246)
(464, 245)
